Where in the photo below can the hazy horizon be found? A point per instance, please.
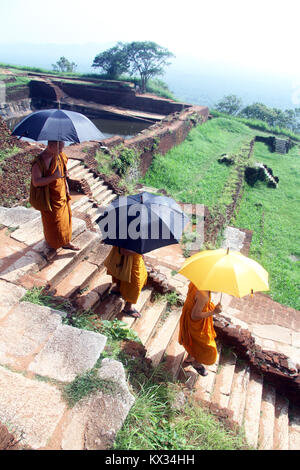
(221, 47)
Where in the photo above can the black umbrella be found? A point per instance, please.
(142, 222)
(59, 125)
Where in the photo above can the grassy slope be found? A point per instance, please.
(190, 172)
(275, 223)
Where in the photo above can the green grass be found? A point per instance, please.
(190, 172)
(37, 296)
(154, 424)
(272, 214)
(86, 384)
(259, 125)
(8, 152)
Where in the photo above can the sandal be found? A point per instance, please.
(132, 313)
(115, 292)
(70, 246)
(201, 370)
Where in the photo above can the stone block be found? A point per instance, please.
(68, 353)
(17, 216)
(32, 408)
(25, 330)
(94, 422)
(30, 261)
(9, 296)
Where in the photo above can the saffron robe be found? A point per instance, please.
(130, 291)
(57, 224)
(198, 336)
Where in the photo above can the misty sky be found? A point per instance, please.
(262, 34)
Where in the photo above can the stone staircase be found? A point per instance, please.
(35, 344)
(100, 194)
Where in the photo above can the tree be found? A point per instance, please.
(64, 65)
(260, 111)
(229, 104)
(148, 59)
(113, 61)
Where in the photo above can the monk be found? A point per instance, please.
(196, 332)
(130, 290)
(57, 223)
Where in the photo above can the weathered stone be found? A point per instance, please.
(32, 408)
(273, 332)
(69, 352)
(78, 226)
(94, 422)
(17, 216)
(31, 261)
(25, 330)
(10, 294)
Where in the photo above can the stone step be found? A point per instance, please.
(97, 193)
(237, 399)
(160, 341)
(267, 418)
(281, 425)
(143, 299)
(79, 168)
(77, 279)
(96, 185)
(252, 408)
(10, 294)
(24, 331)
(82, 173)
(72, 164)
(94, 213)
(95, 292)
(175, 354)
(68, 353)
(17, 216)
(98, 254)
(109, 197)
(110, 307)
(32, 407)
(86, 206)
(31, 233)
(145, 327)
(77, 205)
(66, 260)
(223, 383)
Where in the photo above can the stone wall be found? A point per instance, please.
(158, 138)
(125, 98)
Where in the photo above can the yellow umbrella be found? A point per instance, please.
(225, 271)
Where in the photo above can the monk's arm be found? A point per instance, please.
(198, 314)
(39, 180)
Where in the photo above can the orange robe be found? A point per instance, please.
(198, 336)
(130, 291)
(57, 224)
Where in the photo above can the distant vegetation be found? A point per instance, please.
(146, 58)
(154, 85)
(64, 65)
(274, 117)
